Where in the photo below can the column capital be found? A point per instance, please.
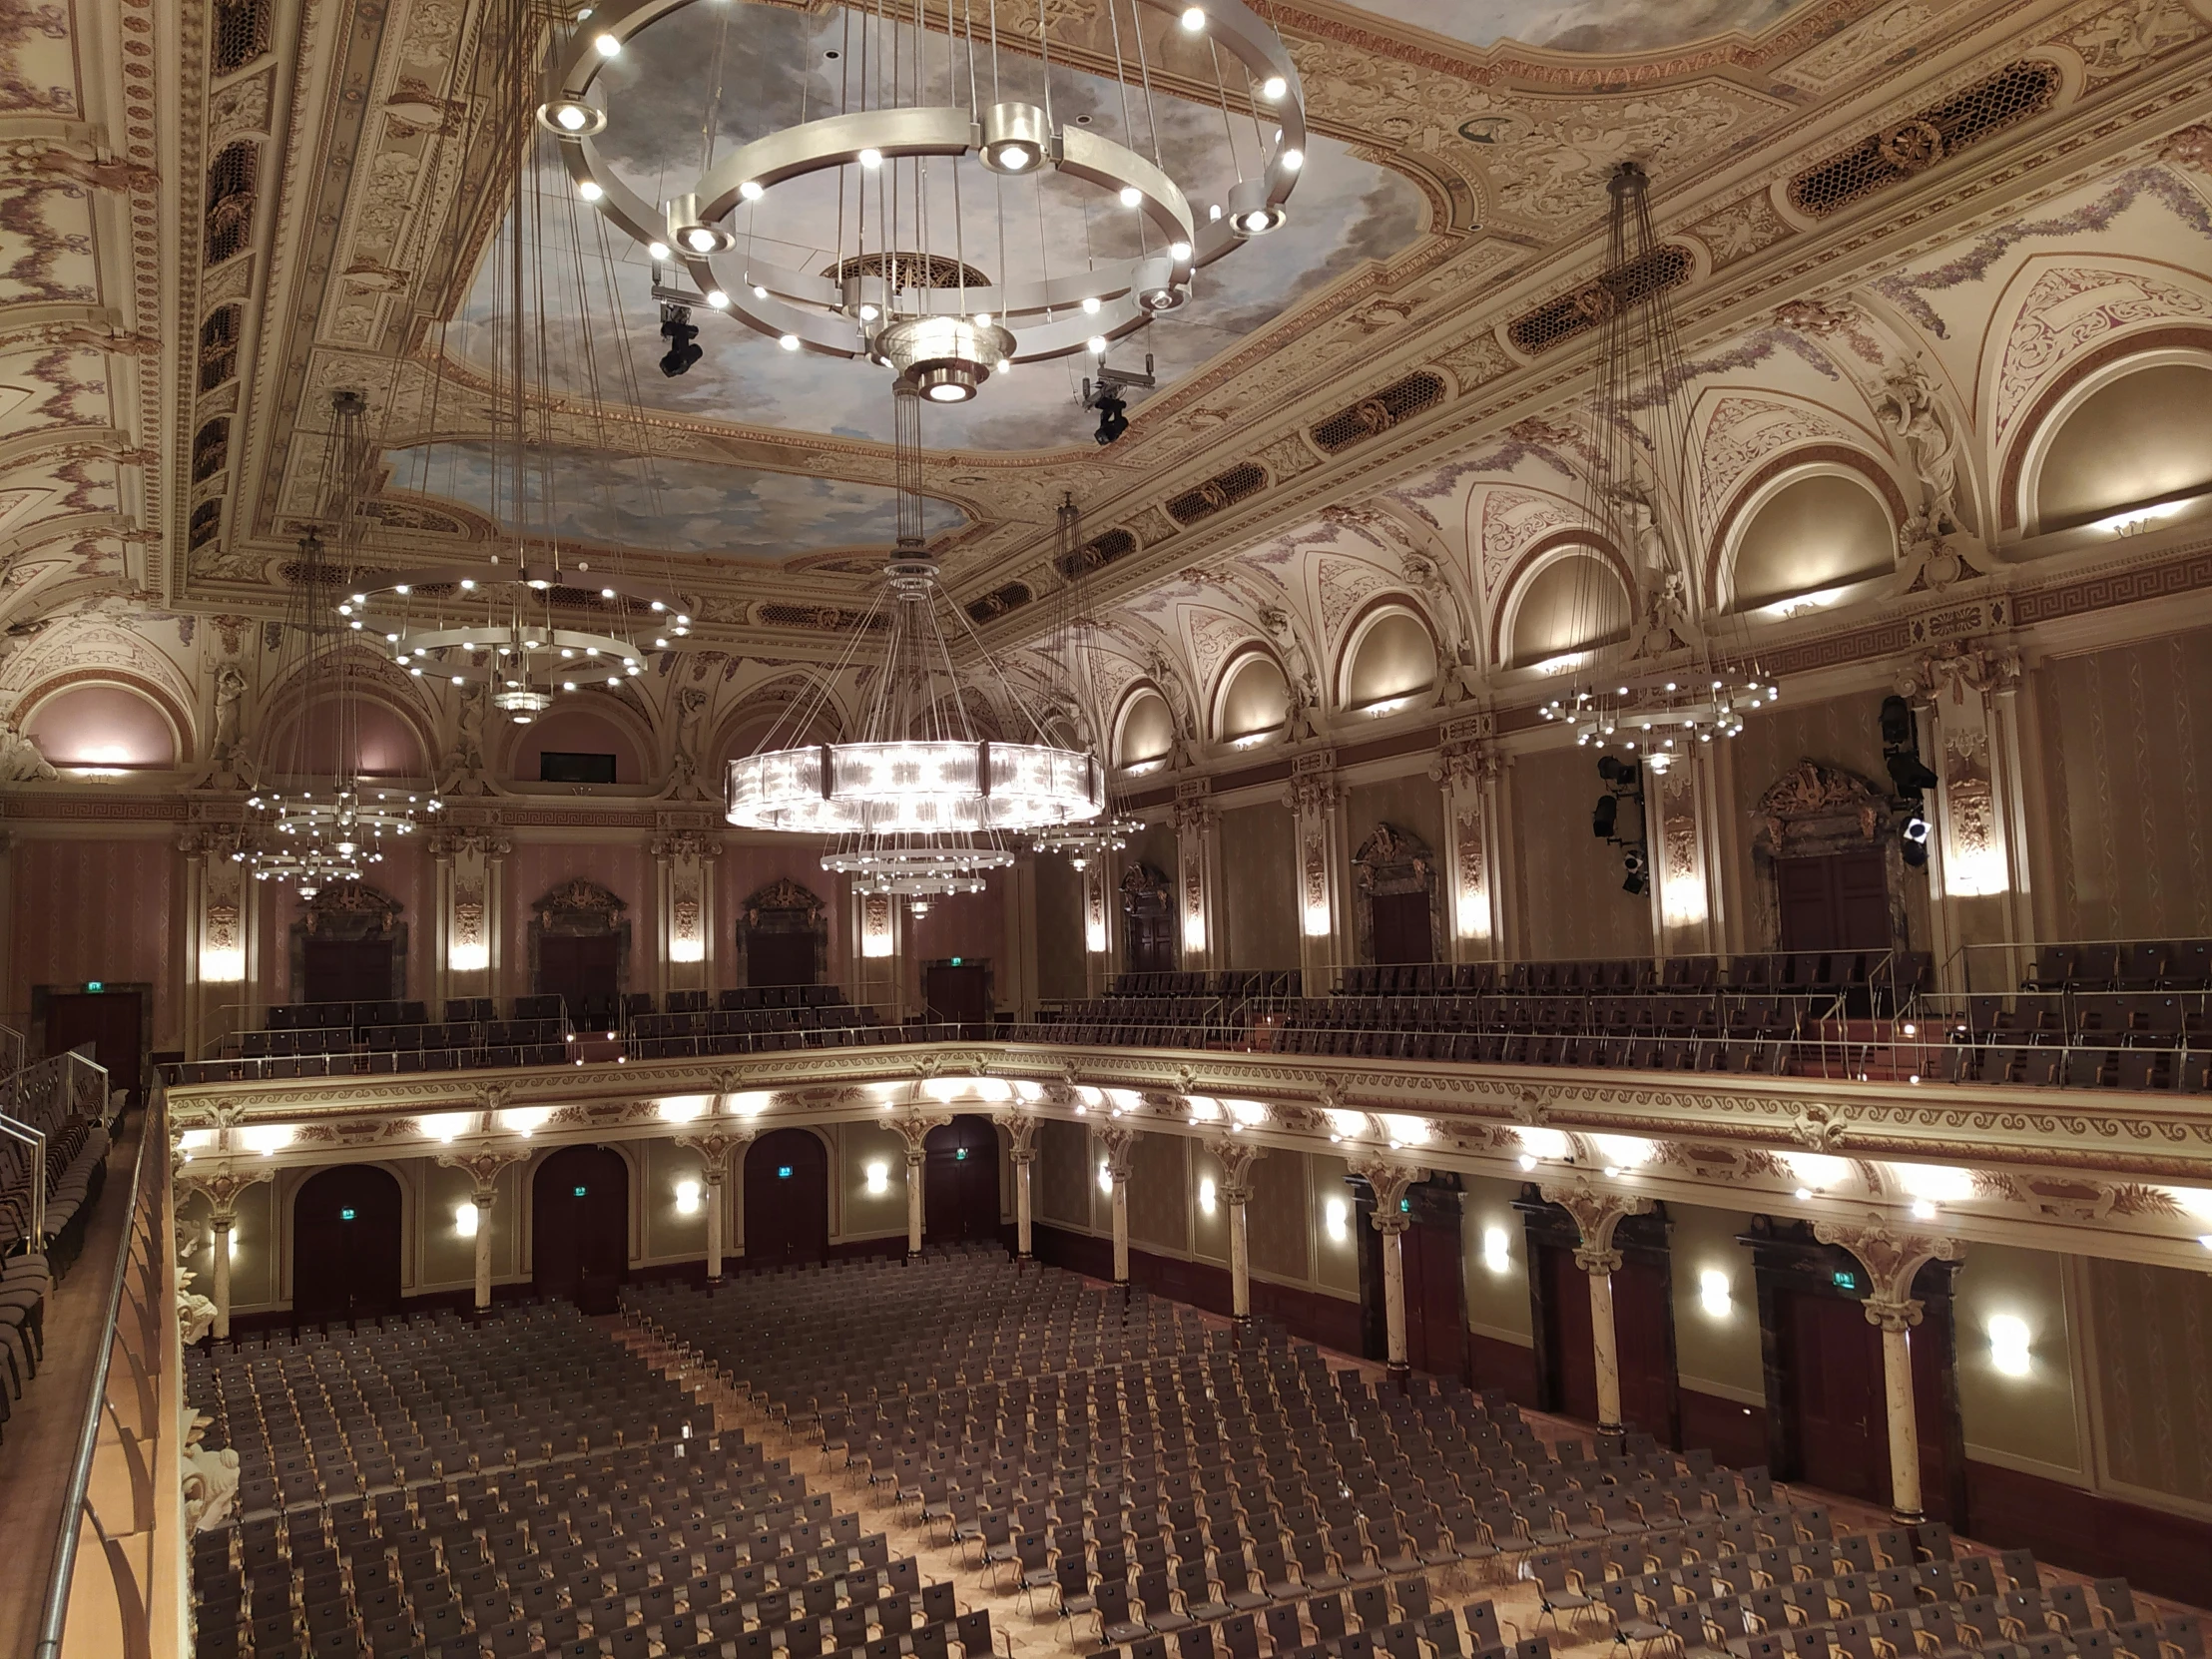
(677, 844)
(1596, 1212)
(1236, 1155)
(1117, 1141)
(1892, 1259)
(482, 1168)
(915, 1127)
(1888, 1314)
(1021, 1133)
(1313, 792)
(1391, 1180)
(1391, 1223)
(714, 1147)
(223, 1187)
(469, 841)
(1601, 1263)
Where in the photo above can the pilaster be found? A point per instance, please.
(466, 951)
(684, 926)
(1115, 1142)
(1683, 833)
(222, 906)
(1323, 894)
(1466, 770)
(1196, 821)
(223, 1187)
(1101, 917)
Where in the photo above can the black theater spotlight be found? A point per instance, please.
(1605, 816)
(1113, 416)
(1914, 845)
(1908, 773)
(1636, 881)
(682, 336)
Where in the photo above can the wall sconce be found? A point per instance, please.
(465, 1217)
(2008, 1345)
(1317, 921)
(221, 965)
(687, 950)
(1105, 1178)
(1336, 1218)
(687, 1198)
(1498, 1249)
(1472, 912)
(878, 1178)
(1714, 1294)
(469, 958)
(1206, 1194)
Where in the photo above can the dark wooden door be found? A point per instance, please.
(346, 970)
(1839, 901)
(1435, 1312)
(959, 1181)
(109, 1021)
(580, 1226)
(1571, 1359)
(1832, 1389)
(779, 958)
(582, 972)
(345, 1244)
(957, 994)
(787, 1199)
(1148, 946)
(1401, 927)
(1643, 1315)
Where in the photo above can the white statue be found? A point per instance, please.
(20, 761)
(463, 771)
(1298, 668)
(691, 711)
(1908, 406)
(211, 1478)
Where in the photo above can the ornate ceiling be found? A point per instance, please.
(219, 215)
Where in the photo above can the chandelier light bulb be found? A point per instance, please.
(750, 190)
(659, 251)
(1131, 197)
(789, 342)
(1194, 19)
(871, 158)
(1090, 304)
(1097, 345)
(589, 190)
(868, 314)
(716, 299)
(1274, 87)
(1293, 160)
(607, 46)
(1179, 252)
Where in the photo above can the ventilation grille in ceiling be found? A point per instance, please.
(1224, 489)
(1378, 413)
(1665, 267)
(999, 600)
(1098, 552)
(830, 619)
(1913, 145)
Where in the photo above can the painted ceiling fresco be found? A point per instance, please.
(1584, 25)
(1345, 212)
(681, 506)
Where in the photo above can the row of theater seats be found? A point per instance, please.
(1192, 1493)
(1887, 977)
(1229, 983)
(523, 1484)
(2138, 966)
(74, 1120)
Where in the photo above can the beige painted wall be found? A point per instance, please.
(1259, 882)
(1060, 969)
(1568, 882)
(869, 1215)
(1715, 1353)
(1062, 1173)
(1497, 1297)
(1409, 803)
(1161, 1186)
(2026, 1422)
(2150, 1354)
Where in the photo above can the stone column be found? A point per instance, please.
(1023, 1155)
(1237, 1157)
(1324, 927)
(914, 1129)
(684, 855)
(466, 956)
(878, 973)
(220, 960)
(482, 1168)
(1964, 694)
(223, 1187)
(1596, 1215)
(1116, 1143)
(715, 1149)
(1196, 817)
(1101, 908)
(1390, 1182)
(1892, 1261)
(1466, 770)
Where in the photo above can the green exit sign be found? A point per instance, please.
(1845, 1281)
(96, 985)
(345, 1214)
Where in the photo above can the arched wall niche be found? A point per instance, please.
(773, 708)
(1570, 595)
(607, 730)
(2021, 462)
(1253, 697)
(103, 723)
(173, 714)
(1144, 730)
(390, 742)
(1810, 527)
(2125, 434)
(1390, 653)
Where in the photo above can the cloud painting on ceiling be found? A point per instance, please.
(779, 67)
(607, 500)
(1583, 25)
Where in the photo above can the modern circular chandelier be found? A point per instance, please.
(919, 802)
(940, 102)
(1656, 720)
(502, 628)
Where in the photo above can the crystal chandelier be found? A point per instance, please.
(318, 824)
(920, 802)
(1082, 844)
(940, 140)
(1635, 495)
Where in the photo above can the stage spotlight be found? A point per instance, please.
(1908, 773)
(1636, 881)
(1614, 770)
(1896, 723)
(682, 336)
(1605, 816)
(1113, 416)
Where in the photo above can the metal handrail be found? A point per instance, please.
(35, 1139)
(77, 1501)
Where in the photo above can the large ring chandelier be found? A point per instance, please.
(901, 291)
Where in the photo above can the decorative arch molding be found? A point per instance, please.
(1771, 479)
(1549, 550)
(1371, 611)
(171, 712)
(1132, 694)
(354, 913)
(780, 694)
(1813, 810)
(1217, 701)
(616, 712)
(782, 909)
(377, 680)
(2020, 466)
(525, 1196)
(1390, 861)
